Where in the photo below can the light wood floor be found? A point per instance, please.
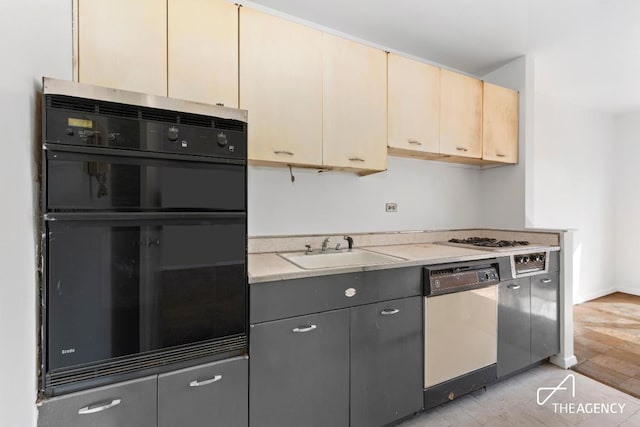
(607, 341)
(513, 403)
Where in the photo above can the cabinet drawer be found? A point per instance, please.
(128, 404)
(288, 298)
(212, 394)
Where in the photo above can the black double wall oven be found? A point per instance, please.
(144, 235)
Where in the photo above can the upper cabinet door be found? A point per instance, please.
(500, 124)
(123, 44)
(355, 105)
(460, 115)
(414, 105)
(281, 87)
(203, 51)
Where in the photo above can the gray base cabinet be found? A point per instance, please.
(358, 362)
(300, 371)
(214, 394)
(528, 327)
(514, 325)
(129, 404)
(386, 361)
(545, 333)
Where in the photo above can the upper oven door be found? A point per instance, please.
(119, 285)
(95, 180)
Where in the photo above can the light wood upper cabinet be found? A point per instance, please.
(203, 51)
(460, 115)
(413, 106)
(123, 44)
(281, 87)
(499, 124)
(314, 99)
(354, 105)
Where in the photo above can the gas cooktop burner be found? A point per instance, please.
(490, 243)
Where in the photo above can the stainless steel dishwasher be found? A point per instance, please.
(460, 309)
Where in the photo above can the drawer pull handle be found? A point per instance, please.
(307, 329)
(413, 141)
(289, 153)
(500, 155)
(197, 383)
(513, 286)
(356, 159)
(92, 409)
(546, 280)
(462, 149)
(388, 312)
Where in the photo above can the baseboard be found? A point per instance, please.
(588, 297)
(564, 362)
(630, 291)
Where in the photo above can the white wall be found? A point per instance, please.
(503, 188)
(430, 195)
(574, 169)
(35, 40)
(627, 203)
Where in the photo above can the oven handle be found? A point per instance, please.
(513, 287)
(388, 312)
(140, 216)
(55, 146)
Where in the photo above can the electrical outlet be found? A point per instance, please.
(392, 207)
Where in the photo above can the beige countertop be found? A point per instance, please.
(269, 267)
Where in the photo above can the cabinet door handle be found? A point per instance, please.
(305, 329)
(356, 159)
(288, 153)
(388, 312)
(462, 149)
(413, 141)
(500, 155)
(546, 280)
(197, 383)
(92, 409)
(513, 286)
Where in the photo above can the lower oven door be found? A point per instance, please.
(461, 333)
(121, 285)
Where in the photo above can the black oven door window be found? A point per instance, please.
(78, 181)
(128, 287)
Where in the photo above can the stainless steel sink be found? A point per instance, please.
(343, 258)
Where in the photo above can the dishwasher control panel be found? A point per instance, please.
(451, 278)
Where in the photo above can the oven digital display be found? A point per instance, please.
(80, 123)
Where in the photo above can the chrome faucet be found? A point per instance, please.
(349, 240)
(325, 242)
